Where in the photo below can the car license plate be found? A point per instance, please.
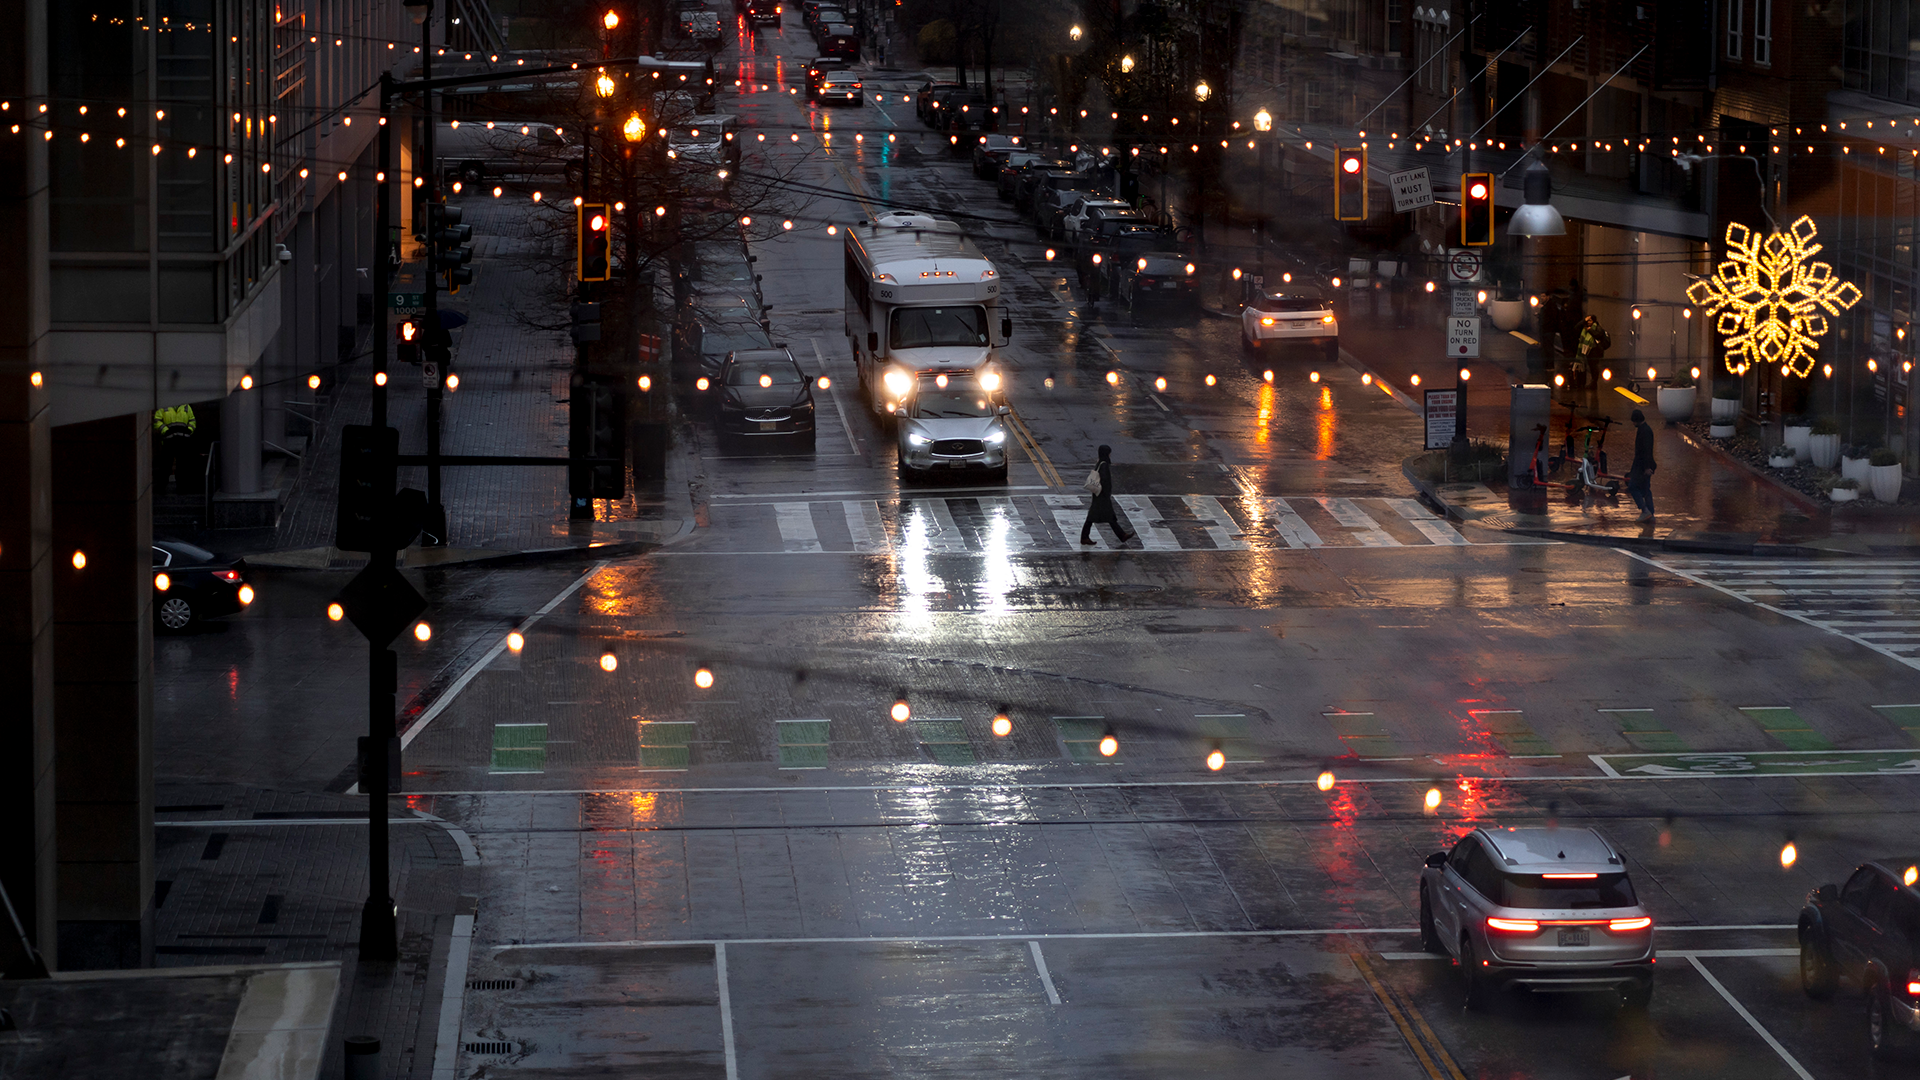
(769, 425)
(956, 464)
(1170, 284)
(1573, 936)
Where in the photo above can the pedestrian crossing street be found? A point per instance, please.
(1873, 602)
(1019, 524)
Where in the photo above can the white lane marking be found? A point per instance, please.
(994, 488)
(1226, 534)
(1764, 1034)
(864, 525)
(796, 526)
(1114, 935)
(839, 406)
(1141, 515)
(1683, 954)
(726, 1008)
(440, 704)
(1423, 519)
(1046, 980)
(264, 823)
(1292, 527)
(453, 999)
(1350, 516)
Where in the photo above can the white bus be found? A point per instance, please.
(920, 298)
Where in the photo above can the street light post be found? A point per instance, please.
(435, 528)
(1262, 124)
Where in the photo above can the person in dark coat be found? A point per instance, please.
(1640, 473)
(1100, 509)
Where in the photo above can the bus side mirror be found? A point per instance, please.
(873, 342)
(1006, 330)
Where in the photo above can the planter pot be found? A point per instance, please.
(1796, 437)
(1727, 409)
(1507, 314)
(1676, 402)
(1782, 462)
(1721, 431)
(1886, 482)
(1854, 468)
(1825, 449)
(1843, 494)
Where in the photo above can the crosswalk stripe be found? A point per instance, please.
(1349, 515)
(796, 526)
(1426, 521)
(864, 525)
(1221, 528)
(1869, 603)
(1141, 515)
(1292, 527)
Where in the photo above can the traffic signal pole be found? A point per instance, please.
(379, 924)
(435, 526)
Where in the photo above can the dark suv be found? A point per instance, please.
(1866, 934)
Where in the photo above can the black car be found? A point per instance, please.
(990, 150)
(763, 392)
(821, 67)
(1053, 195)
(1159, 280)
(1866, 935)
(763, 13)
(1020, 167)
(926, 95)
(1113, 247)
(839, 39)
(841, 86)
(191, 584)
(712, 346)
(818, 18)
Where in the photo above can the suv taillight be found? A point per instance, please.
(1913, 983)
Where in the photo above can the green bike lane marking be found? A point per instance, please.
(1761, 763)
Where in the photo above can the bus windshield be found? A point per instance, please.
(924, 327)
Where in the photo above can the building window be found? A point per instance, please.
(1762, 31)
(1876, 50)
(1733, 28)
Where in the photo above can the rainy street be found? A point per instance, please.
(860, 775)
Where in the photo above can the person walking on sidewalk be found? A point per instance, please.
(1592, 354)
(1099, 484)
(1640, 473)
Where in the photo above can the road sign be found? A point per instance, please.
(1463, 264)
(430, 375)
(380, 603)
(1442, 411)
(406, 301)
(1463, 337)
(1410, 190)
(1464, 303)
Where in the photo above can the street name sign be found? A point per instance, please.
(1463, 337)
(406, 301)
(1442, 412)
(1411, 191)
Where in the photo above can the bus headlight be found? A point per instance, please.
(990, 381)
(898, 382)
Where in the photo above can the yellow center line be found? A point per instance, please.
(1442, 1069)
(1032, 446)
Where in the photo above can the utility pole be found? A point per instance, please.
(436, 521)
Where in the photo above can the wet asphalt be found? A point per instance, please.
(766, 874)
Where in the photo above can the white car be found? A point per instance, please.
(951, 423)
(1296, 313)
(1078, 213)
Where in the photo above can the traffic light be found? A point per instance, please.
(409, 334)
(1476, 209)
(436, 347)
(1350, 184)
(595, 242)
(448, 238)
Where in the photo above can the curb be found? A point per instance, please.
(482, 557)
(1797, 498)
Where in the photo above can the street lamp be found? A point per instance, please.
(1263, 121)
(418, 10)
(603, 85)
(1075, 32)
(634, 128)
(1536, 216)
(1203, 91)
(1126, 64)
(611, 20)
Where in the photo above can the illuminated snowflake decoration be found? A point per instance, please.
(1771, 299)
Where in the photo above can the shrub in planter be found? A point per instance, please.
(1844, 491)
(1883, 473)
(1795, 433)
(1853, 463)
(1825, 426)
(1782, 457)
(1823, 442)
(1883, 457)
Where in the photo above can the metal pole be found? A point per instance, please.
(382, 266)
(436, 519)
(379, 928)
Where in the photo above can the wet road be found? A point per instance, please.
(705, 847)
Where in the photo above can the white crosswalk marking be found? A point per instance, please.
(1292, 527)
(1141, 515)
(1365, 529)
(865, 526)
(1220, 524)
(1423, 519)
(1011, 525)
(796, 526)
(1873, 602)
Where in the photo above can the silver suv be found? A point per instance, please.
(1548, 909)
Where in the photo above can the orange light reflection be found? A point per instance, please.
(1325, 426)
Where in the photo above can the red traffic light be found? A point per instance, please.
(597, 223)
(1477, 191)
(1350, 185)
(1476, 210)
(1351, 165)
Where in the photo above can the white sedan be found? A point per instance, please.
(952, 422)
(1296, 313)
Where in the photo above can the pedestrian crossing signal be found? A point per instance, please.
(408, 332)
(595, 242)
(1350, 184)
(1476, 210)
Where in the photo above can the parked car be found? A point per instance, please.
(990, 150)
(963, 111)
(819, 68)
(1159, 281)
(924, 98)
(841, 86)
(1112, 246)
(764, 393)
(1865, 935)
(817, 15)
(473, 150)
(1091, 206)
(952, 424)
(1293, 313)
(1018, 168)
(839, 39)
(192, 584)
(1549, 909)
(1053, 195)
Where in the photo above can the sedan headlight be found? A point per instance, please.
(914, 438)
(898, 382)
